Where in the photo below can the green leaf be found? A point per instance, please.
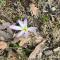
(45, 18)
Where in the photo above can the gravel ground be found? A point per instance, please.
(45, 15)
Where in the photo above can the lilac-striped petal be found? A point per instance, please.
(15, 27)
(26, 34)
(20, 23)
(20, 34)
(32, 29)
(25, 22)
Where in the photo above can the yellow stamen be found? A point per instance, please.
(25, 29)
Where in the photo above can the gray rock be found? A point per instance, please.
(5, 35)
(47, 53)
(4, 25)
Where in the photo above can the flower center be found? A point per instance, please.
(25, 29)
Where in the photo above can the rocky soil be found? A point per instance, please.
(45, 15)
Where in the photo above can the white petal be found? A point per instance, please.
(20, 23)
(25, 22)
(32, 29)
(15, 27)
(26, 34)
(20, 34)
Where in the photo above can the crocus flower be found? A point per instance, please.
(24, 29)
